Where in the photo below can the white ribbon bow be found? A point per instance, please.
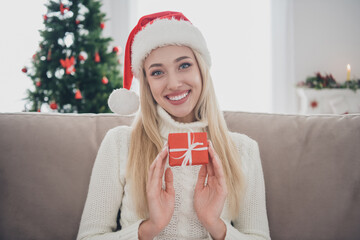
(191, 147)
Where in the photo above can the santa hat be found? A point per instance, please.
(153, 31)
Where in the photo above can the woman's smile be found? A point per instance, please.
(178, 98)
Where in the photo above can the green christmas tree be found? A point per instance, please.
(75, 68)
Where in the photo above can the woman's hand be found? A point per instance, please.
(209, 199)
(161, 202)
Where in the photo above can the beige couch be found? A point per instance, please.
(311, 166)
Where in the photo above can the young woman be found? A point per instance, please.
(224, 199)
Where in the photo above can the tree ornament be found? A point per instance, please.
(105, 80)
(97, 57)
(78, 95)
(24, 70)
(68, 64)
(38, 83)
(102, 25)
(314, 104)
(45, 17)
(82, 56)
(53, 105)
(49, 55)
(34, 57)
(77, 22)
(117, 50)
(62, 8)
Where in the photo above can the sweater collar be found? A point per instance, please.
(168, 125)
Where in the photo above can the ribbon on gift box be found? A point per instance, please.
(191, 147)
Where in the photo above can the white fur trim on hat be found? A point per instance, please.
(123, 101)
(163, 32)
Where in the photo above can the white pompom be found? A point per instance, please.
(124, 102)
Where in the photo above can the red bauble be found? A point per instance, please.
(45, 17)
(105, 80)
(78, 95)
(97, 57)
(81, 58)
(24, 70)
(77, 22)
(38, 83)
(314, 104)
(53, 106)
(102, 25)
(116, 50)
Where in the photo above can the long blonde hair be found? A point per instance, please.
(146, 142)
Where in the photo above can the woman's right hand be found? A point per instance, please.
(161, 202)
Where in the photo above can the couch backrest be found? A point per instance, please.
(311, 167)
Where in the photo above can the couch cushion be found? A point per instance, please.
(311, 167)
(312, 172)
(45, 166)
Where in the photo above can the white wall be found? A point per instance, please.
(310, 36)
(327, 37)
(238, 38)
(307, 36)
(19, 23)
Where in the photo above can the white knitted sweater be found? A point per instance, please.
(109, 192)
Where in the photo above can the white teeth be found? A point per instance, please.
(177, 98)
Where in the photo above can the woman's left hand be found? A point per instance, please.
(209, 199)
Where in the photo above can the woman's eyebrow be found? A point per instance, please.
(181, 58)
(176, 60)
(155, 65)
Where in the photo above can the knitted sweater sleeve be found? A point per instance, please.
(105, 193)
(252, 222)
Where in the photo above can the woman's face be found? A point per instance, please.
(175, 81)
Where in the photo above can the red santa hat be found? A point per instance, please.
(153, 31)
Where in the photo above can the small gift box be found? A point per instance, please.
(188, 149)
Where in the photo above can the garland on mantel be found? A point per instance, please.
(328, 82)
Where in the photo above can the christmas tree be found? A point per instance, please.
(75, 68)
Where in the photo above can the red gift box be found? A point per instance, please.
(188, 149)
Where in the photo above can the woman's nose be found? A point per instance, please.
(174, 81)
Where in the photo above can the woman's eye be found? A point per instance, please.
(156, 73)
(185, 65)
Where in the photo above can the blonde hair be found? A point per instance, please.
(146, 131)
